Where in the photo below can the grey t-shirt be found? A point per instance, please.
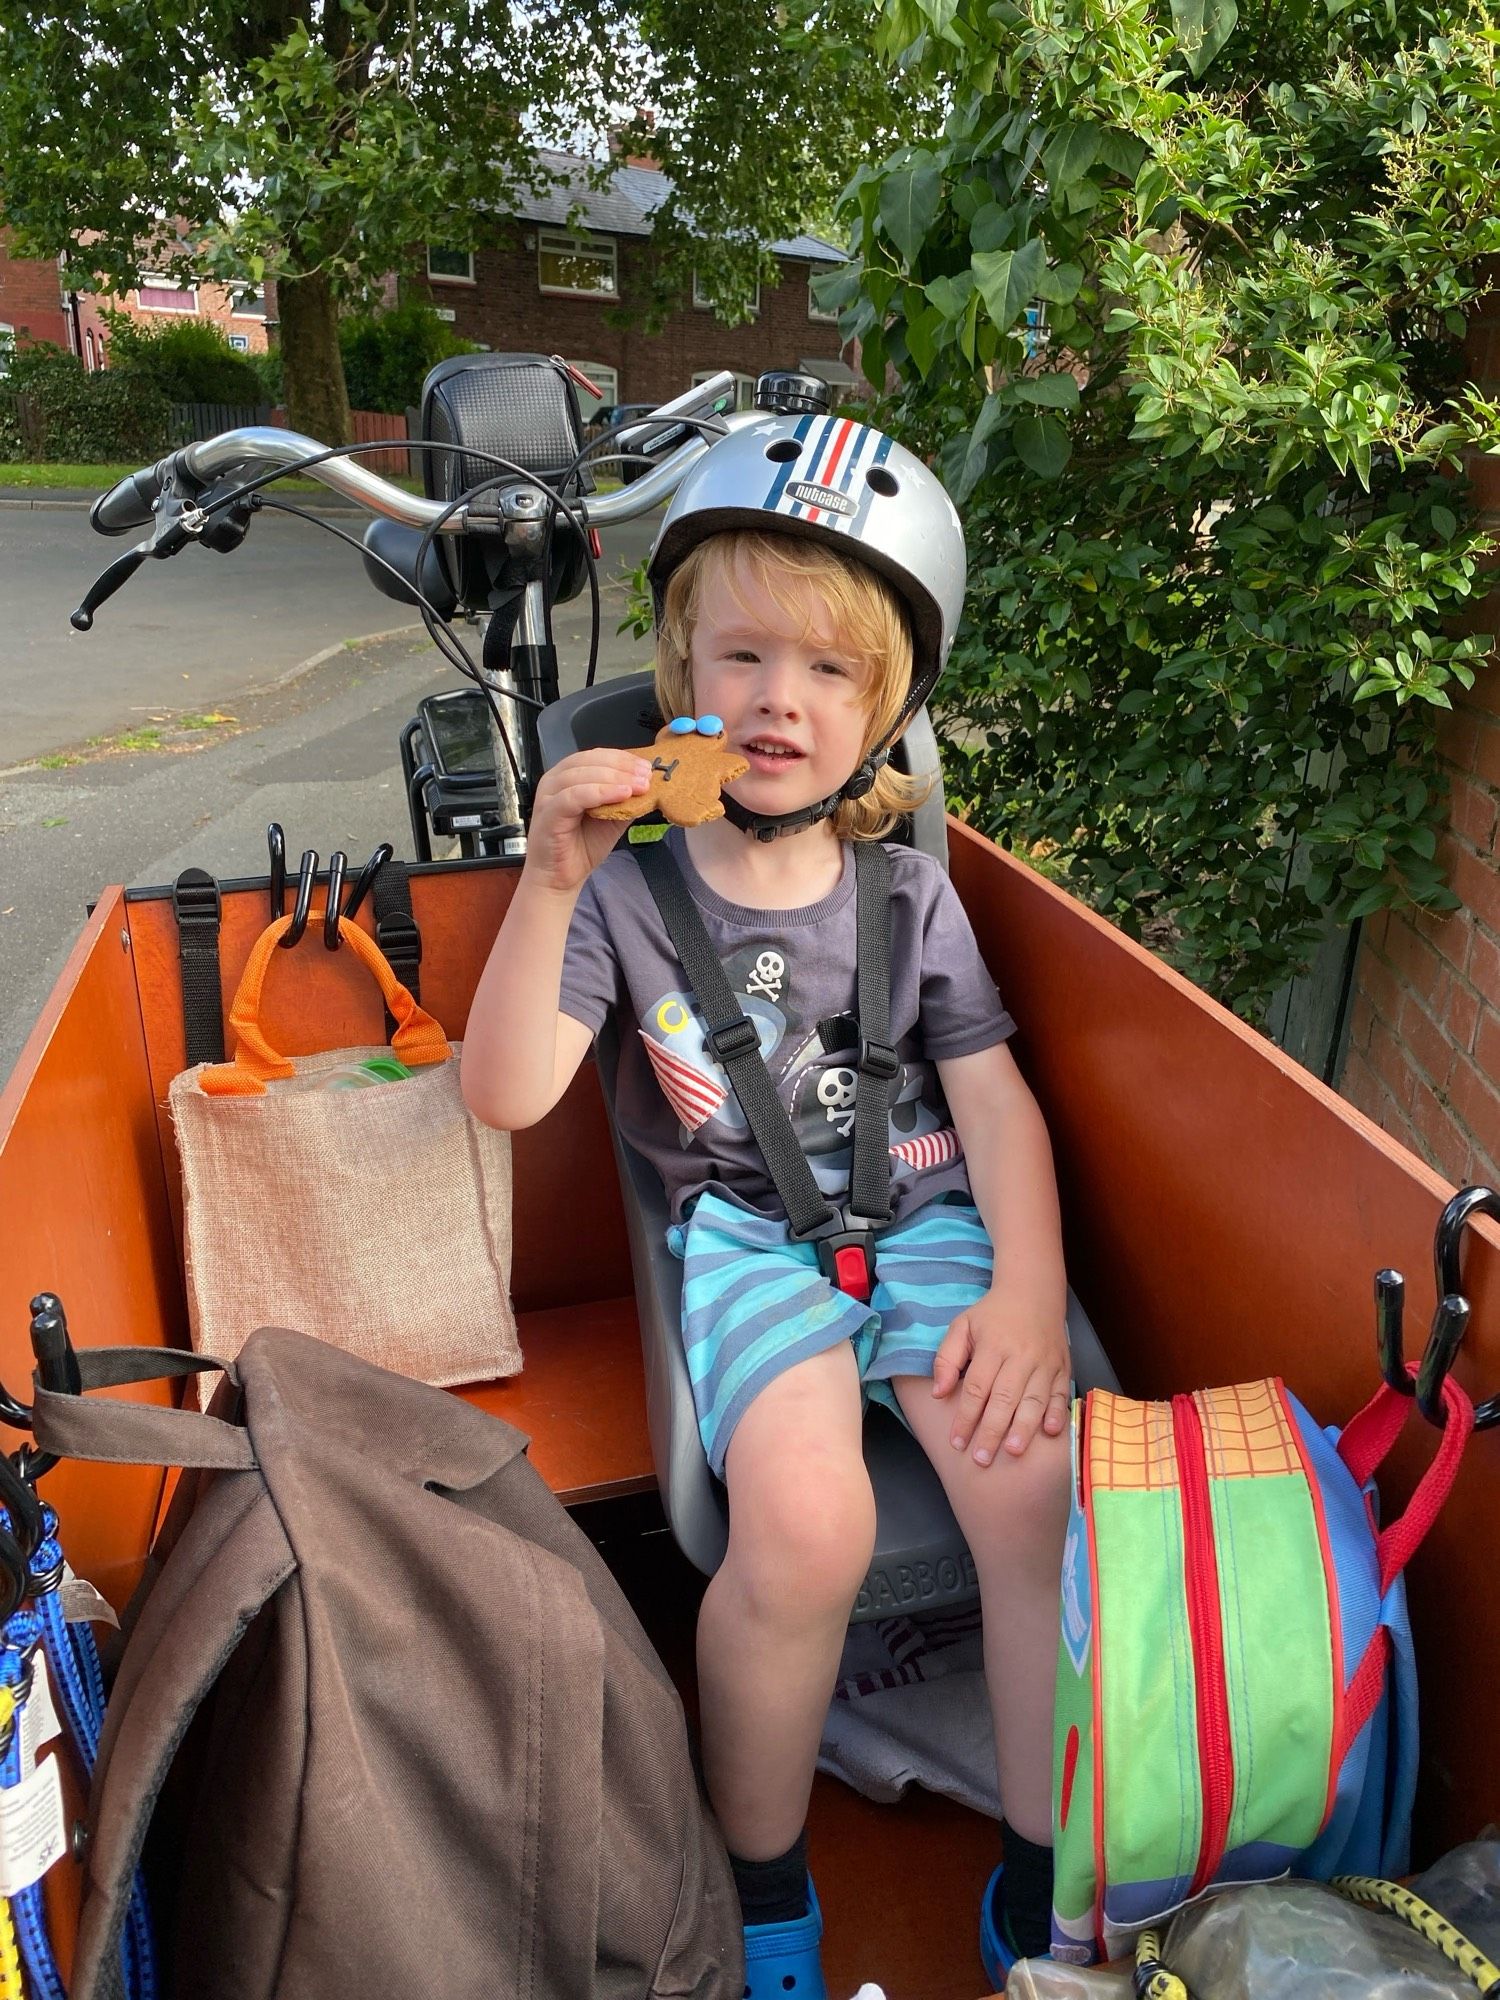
(791, 970)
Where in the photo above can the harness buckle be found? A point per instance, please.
(734, 1038)
(846, 1254)
(878, 1059)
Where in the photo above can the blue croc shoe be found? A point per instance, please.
(781, 1960)
(993, 1949)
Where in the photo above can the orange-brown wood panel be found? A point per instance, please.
(1225, 1216)
(85, 1216)
(581, 1399)
(569, 1229)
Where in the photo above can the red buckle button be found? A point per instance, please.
(853, 1272)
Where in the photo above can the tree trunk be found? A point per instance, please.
(317, 402)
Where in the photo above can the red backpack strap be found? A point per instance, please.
(1363, 1447)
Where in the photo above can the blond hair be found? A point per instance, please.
(810, 581)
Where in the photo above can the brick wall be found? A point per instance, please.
(505, 308)
(31, 298)
(1424, 1048)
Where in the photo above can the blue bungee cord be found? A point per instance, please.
(72, 1657)
(44, 1981)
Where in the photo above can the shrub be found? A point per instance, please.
(386, 355)
(187, 360)
(1177, 301)
(71, 417)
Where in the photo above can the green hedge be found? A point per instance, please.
(52, 410)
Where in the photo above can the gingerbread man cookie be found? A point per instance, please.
(689, 764)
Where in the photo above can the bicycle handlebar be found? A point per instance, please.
(262, 449)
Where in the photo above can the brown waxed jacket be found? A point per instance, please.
(429, 1749)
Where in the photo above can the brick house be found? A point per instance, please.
(1424, 1040)
(36, 305)
(33, 304)
(549, 291)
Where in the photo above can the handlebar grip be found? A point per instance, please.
(128, 504)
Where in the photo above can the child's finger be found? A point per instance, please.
(1031, 1409)
(952, 1353)
(994, 1416)
(979, 1379)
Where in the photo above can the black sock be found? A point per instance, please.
(773, 1892)
(1025, 1912)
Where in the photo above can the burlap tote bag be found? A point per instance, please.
(377, 1219)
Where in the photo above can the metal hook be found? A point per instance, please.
(1390, 1299)
(276, 842)
(367, 876)
(305, 876)
(18, 1496)
(338, 862)
(1447, 1257)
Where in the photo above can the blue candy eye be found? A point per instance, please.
(709, 725)
(682, 725)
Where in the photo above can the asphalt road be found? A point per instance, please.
(315, 749)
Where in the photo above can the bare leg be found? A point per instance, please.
(1014, 1516)
(801, 1533)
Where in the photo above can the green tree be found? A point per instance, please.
(310, 141)
(1178, 303)
(317, 142)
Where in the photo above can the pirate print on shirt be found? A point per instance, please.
(815, 1081)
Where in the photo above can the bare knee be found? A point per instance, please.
(800, 1549)
(1014, 1512)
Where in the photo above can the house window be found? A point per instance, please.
(7, 345)
(744, 387)
(450, 267)
(90, 351)
(586, 268)
(249, 302)
(704, 303)
(604, 378)
(240, 342)
(161, 295)
(814, 310)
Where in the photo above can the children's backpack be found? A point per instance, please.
(384, 1721)
(1236, 1692)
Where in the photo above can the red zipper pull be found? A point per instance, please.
(577, 376)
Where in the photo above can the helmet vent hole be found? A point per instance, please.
(883, 481)
(781, 451)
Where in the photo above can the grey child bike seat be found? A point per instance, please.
(920, 1561)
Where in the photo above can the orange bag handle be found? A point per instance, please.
(418, 1038)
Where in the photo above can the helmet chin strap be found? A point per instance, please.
(774, 826)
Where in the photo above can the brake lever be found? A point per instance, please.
(180, 519)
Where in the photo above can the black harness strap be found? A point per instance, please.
(843, 1236)
(198, 906)
(396, 930)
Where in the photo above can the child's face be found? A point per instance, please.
(793, 704)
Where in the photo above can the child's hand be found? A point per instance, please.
(564, 848)
(1016, 1374)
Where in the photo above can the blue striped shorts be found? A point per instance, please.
(754, 1303)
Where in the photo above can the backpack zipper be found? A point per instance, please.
(1206, 1630)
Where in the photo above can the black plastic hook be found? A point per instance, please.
(338, 863)
(305, 878)
(366, 878)
(1447, 1260)
(1390, 1299)
(14, 1575)
(18, 1496)
(276, 842)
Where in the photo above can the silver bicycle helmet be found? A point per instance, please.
(833, 480)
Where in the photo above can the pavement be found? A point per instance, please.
(311, 741)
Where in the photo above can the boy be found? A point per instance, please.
(808, 579)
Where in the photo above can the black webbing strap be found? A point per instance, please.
(396, 930)
(197, 906)
(735, 1042)
(878, 1064)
